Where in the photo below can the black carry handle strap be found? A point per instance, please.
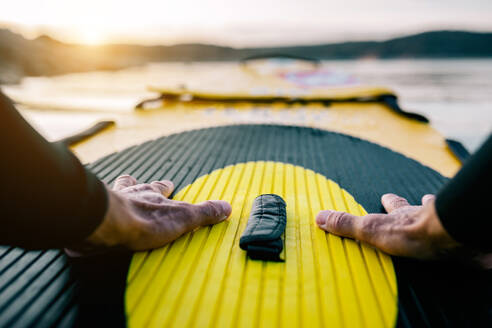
(262, 236)
(458, 150)
(389, 100)
(143, 103)
(87, 133)
(314, 61)
(392, 102)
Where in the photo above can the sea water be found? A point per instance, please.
(455, 94)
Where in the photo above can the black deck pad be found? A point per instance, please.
(44, 289)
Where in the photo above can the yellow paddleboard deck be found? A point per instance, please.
(205, 280)
(319, 141)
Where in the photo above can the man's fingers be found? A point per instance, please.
(165, 187)
(212, 211)
(392, 202)
(206, 213)
(338, 223)
(427, 198)
(177, 218)
(123, 182)
(371, 228)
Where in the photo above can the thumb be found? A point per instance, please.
(427, 198)
(392, 202)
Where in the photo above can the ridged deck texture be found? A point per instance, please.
(204, 279)
(43, 289)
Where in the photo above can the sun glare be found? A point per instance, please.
(91, 37)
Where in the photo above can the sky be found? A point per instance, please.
(239, 23)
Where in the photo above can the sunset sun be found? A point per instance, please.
(91, 36)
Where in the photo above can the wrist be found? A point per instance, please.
(443, 242)
(116, 226)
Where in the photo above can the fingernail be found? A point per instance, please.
(168, 183)
(321, 217)
(226, 208)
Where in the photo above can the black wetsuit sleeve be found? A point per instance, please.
(47, 199)
(464, 204)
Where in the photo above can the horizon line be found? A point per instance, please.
(213, 41)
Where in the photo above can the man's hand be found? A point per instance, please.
(141, 217)
(413, 231)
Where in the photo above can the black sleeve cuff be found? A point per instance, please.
(48, 198)
(92, 209)
(463, 204)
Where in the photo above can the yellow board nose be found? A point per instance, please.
(204, 279)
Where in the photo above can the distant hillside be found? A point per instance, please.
(45, 56)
